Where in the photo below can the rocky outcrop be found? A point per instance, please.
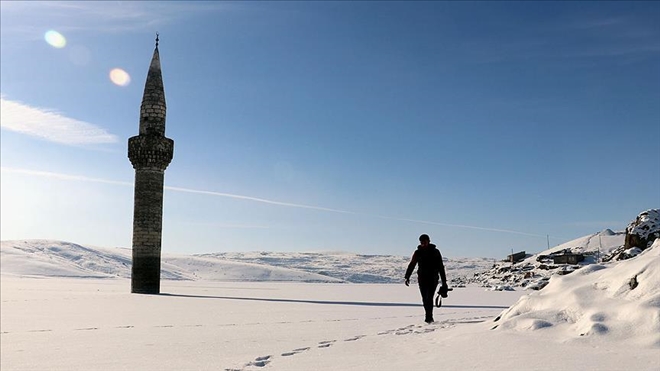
(644, 230)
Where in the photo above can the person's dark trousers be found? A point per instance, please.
(427, 289)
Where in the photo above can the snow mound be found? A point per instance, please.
(619, 300)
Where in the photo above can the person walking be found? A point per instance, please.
(429, 261)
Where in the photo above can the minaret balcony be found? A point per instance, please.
(150, 152)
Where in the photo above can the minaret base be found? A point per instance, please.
(145, 275)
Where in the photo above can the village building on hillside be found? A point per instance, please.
(567, 258)
(514, 258)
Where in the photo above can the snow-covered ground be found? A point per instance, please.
(601, 317)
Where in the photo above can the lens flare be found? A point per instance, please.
(120, 77)
(55, 39)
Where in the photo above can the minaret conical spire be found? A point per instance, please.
(153, 108)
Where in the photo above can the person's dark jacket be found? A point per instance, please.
(429, 261)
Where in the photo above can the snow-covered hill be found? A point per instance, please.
(535, 270)
(354, 268)
(64, 259)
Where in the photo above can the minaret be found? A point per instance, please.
(150, 152)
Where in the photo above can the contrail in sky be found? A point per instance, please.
(254, 199)
(279, 203)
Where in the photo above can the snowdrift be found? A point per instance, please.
(620, 300)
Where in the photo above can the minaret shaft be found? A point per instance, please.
(147, 231)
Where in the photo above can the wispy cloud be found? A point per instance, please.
(596, 22)
(614, 36)
(257, 199)
(50, 125)
(575, 36)
(101, 16)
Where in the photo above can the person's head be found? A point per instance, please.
(424, 239)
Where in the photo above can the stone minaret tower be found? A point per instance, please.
(150, 152)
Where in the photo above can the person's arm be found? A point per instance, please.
(443, 275)
(411, 266)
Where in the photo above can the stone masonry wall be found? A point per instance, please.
(152, 117)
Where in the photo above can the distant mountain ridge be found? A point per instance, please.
(64, 259)
(50, 258)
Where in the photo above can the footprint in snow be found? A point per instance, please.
(358, 337)
(295, 351)
(424, 330)
(404, 330)
(260, 361)
(326, 343)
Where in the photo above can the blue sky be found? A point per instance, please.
(353, 126)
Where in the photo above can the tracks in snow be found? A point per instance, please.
(415, 329)
(261, 361)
